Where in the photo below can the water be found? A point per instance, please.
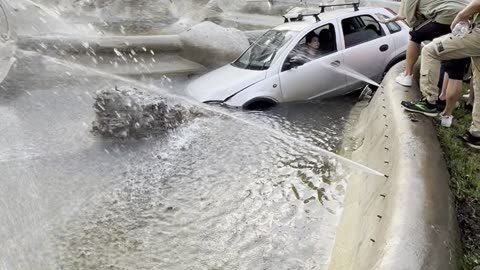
(231, 190)
(215, 193)
(461, 29)
(276, 133)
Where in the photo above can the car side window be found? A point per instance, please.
(360, 29)
(393, 27)
(313, 45)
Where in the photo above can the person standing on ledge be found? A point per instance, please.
(428, 19)
(449, 48)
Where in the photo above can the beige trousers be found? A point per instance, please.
(449, 48)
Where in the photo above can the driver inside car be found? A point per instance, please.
(308, 51)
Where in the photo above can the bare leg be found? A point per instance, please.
(413, 51)
(443, 95)
(454, 92)
(471, 96)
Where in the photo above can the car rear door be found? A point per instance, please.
(367, 48)
(316, 77)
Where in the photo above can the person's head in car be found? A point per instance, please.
(313, 43)
(306, 51)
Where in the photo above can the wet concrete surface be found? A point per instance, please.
(215, 193)
(406, 218)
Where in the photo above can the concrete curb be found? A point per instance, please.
(99, 44)
(405, 220)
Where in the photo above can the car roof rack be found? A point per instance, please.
(355, 6)
(297, 14)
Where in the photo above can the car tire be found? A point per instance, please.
(259, 104)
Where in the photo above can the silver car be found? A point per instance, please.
(274, 68)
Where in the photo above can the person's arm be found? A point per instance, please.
(393, 19)
(466, 13)
(410, 12)
(398, 17)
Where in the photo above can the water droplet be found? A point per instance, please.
(117, 52)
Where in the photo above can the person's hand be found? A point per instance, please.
(382, 20)
(459, 18)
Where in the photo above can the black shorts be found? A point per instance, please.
(428, 30)
(456, 69)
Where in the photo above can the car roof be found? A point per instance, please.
(300, 25)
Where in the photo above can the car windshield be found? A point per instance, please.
(261, 53)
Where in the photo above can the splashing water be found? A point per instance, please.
(215, 192)
(343, 69)
(161, 91)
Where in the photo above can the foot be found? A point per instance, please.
(446, 120)
(422, 106)
(405, 80)
(470, 140)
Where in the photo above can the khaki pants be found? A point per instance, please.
(448, 48)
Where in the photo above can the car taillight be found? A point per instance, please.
(391, 11)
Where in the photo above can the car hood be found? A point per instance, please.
(223, 83)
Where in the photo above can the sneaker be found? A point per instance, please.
(405, 80)
(441, 104)
(422, 106)
(446, 120)
(470, 140)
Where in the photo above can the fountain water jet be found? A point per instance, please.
(133, 113)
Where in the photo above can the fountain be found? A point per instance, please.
(131, 113)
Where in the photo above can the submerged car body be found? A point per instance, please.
(268, 72)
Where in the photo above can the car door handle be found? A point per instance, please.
(335, 63)
(384, 47)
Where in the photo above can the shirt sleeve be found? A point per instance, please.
(409, 10)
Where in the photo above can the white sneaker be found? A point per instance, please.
(446, 120)
(405, 80)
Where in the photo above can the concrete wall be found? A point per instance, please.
(404, 220)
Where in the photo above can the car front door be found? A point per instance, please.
(314, 77)
(367, 48)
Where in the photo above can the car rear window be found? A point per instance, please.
(360, 29)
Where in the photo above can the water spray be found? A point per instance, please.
(219, 111)
(351, 73)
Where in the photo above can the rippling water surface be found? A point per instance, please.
(215, 193)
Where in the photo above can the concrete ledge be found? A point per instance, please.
(405, 220)
(107, 43)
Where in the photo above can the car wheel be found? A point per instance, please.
(259, 104)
